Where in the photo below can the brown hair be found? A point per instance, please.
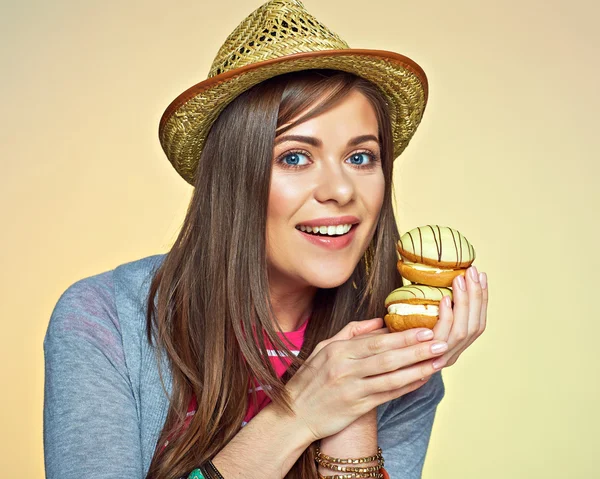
(213, 285)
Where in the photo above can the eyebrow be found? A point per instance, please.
(311, 140)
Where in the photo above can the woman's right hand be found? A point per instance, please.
(358, 369)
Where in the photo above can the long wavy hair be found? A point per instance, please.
(212, 285)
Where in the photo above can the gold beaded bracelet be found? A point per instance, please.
(359, 470)
(375, 475)
(360, 460)
(332, 463)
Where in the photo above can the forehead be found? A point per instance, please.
(351, 116)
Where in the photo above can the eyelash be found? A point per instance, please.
(372, 156)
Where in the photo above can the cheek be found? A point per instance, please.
(374, 190)
(285, 197)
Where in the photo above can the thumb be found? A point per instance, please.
(357, 328)
(351, 330)
(368, 326)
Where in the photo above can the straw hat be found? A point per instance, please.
(281, 37)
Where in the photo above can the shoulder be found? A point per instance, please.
(132, 282)
(88, 309)
(85, 308)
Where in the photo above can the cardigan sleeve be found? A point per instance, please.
(404, 428)
(91, 426)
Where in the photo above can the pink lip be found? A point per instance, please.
(332, 221)
(330, 242)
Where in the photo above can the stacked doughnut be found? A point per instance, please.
(430, 258)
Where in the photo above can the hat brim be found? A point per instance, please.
(186, 122)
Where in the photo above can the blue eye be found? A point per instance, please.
(294, 159)
(357, 159)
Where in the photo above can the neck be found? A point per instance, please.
(292, 303)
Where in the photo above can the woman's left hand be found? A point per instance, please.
(463, 325)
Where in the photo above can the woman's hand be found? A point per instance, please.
(356, 370)
(463, 325)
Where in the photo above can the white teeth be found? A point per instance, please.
(326, 230)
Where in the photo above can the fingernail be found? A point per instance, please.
(461, 282)
(425, 335)
(447, 301)
(439, 348)
(474, 274)
(483, 280)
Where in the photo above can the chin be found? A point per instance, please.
(327, 279)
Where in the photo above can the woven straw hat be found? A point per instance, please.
(281, 37)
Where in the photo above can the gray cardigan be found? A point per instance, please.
(104, 406)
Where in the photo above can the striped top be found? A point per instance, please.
(293, 341)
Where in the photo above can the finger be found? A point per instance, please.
(395, 359)
(460, 324)
(443, 326)
(379, 343)
(464, 292)
(475, 300)
(484, 302)
(453, 355)
(398, 379)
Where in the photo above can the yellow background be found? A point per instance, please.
(506, 153)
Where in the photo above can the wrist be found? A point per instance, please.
(250, 453)
(359, 439)
(300, 435)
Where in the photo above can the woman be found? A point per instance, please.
(275, 166)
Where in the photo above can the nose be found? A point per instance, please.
(335, 184)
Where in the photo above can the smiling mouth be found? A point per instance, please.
(339, 230)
